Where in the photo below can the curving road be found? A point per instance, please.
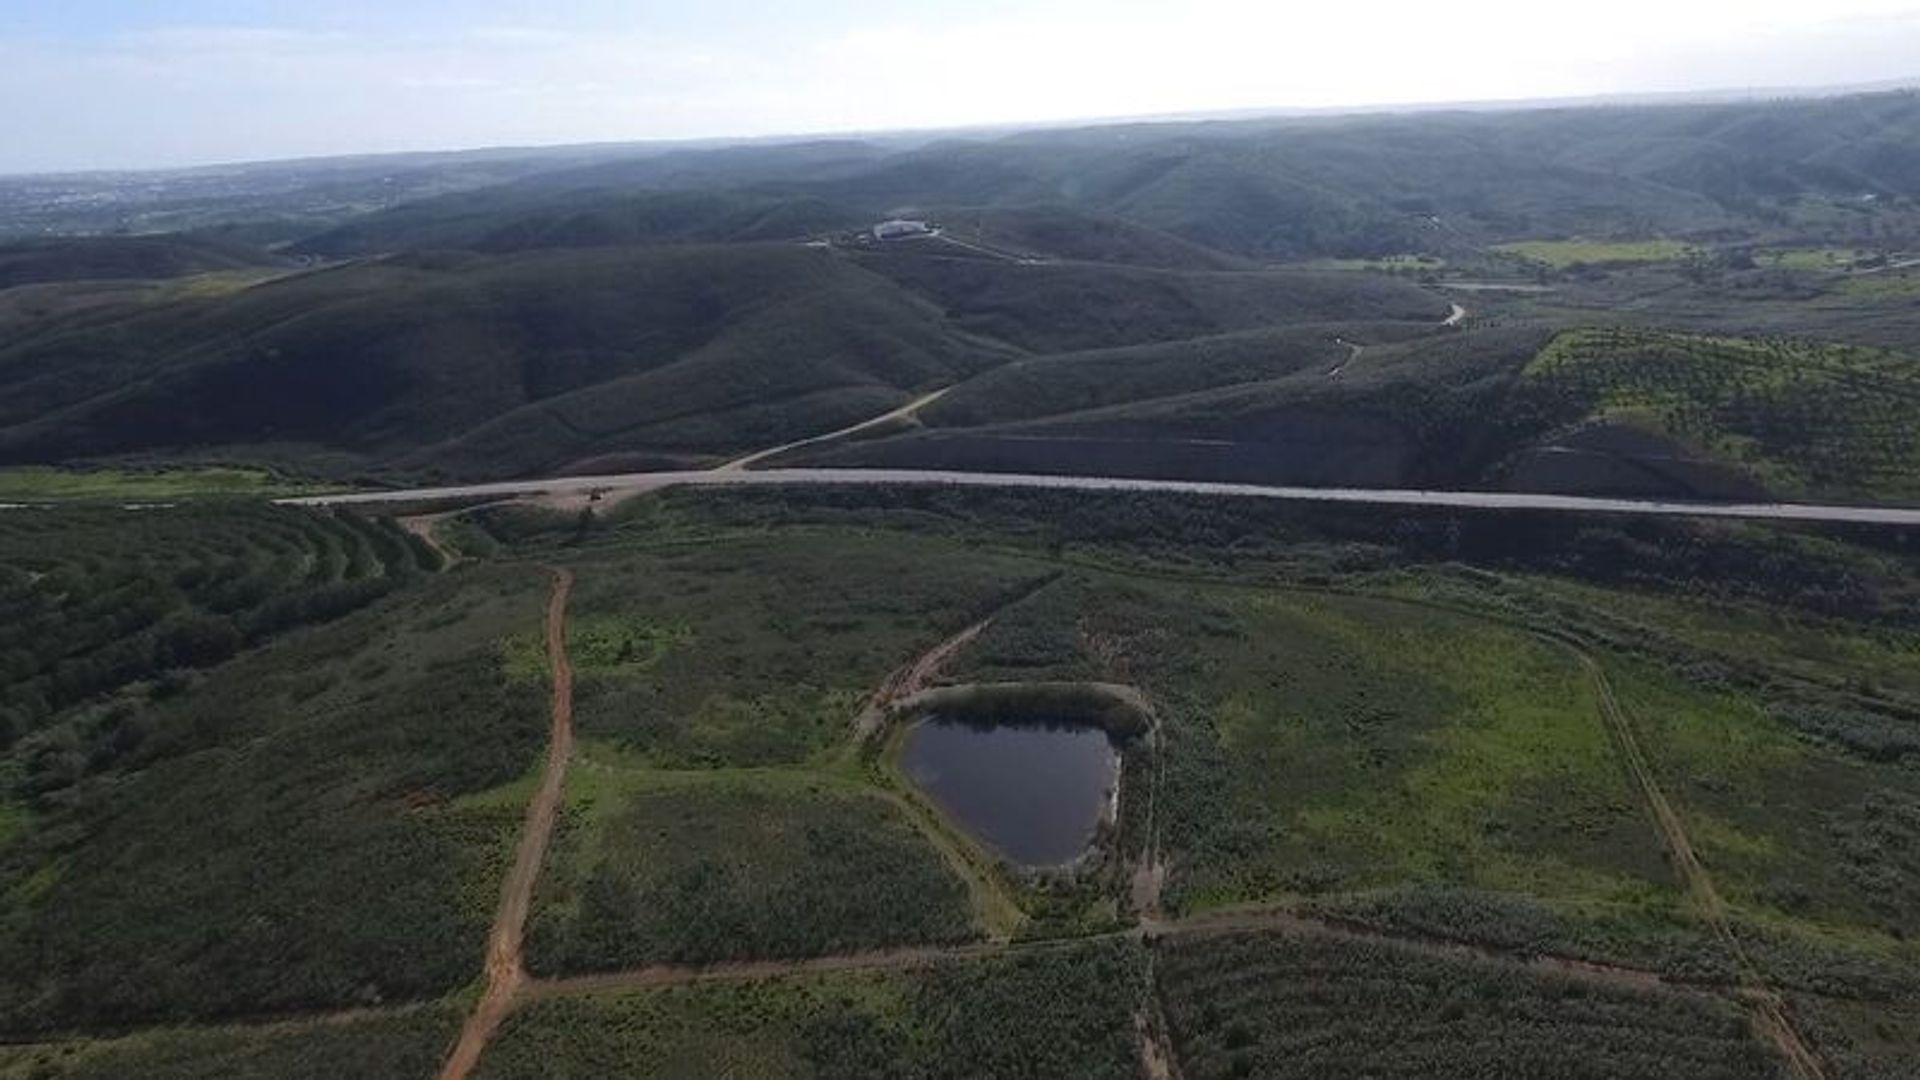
(635, 483)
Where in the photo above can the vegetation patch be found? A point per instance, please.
(763, 650)
(403, 1044)
(1113, 709)
(105, 610)
(1561, 254)
(1813, 258)
(1279, 1005)
(1804, 417)
(1064, 1012)
(286, 836)
(33, 484)
(1317, 744)
(754, 868)
(1791, 827)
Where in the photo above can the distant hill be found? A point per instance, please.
(473, 365)
(1128, 297)
(503, 222)
(1268, 188)
(54, 259)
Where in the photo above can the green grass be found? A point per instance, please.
(1561, 254)
(757, 866)
(1895, 285)
(1063, 1013)
(1792, 830)
(1280, 1006)
(1842, 654)
(40, 484)
(1320, 744)
(1816, 258)
(762, 651)
(597, 645)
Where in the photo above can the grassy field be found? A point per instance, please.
(125, 485)
(1794, 829)
(1279, 1006)
(1812, 258)
(654, 869)
(1561, 254)
(1897, 286)
(761, 651)
(1065, 1013)
(1322, 744)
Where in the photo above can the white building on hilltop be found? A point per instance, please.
(901, 229)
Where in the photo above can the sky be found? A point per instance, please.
(153, 83)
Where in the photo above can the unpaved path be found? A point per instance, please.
(664, 975)
(1156, 1057)
(424, 526)
(506, 967)
(1770, 1014)
(1258, 919)
(1000, 915)
(900, 413)
(917, 675)
(1237, 921)
(913, 678)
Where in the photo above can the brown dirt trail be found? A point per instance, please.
(506, 967)
(911, 679)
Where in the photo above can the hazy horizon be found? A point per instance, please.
(114, 84)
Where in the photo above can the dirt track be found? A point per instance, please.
(1769, 1011)
(912, 679)
(888, 417)
(424, 526)
(506, 966)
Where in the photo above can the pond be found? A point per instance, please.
(1033, 793)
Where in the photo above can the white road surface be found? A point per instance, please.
(631, 483)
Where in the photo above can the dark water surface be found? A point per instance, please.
(1033, 793)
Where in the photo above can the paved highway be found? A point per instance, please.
(628, 483)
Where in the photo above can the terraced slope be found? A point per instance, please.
(94, 600)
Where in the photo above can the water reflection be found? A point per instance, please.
(1033, 793)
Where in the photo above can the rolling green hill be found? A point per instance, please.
(27, 262)
(1587, 411)
(389, 359)
(473, 365)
